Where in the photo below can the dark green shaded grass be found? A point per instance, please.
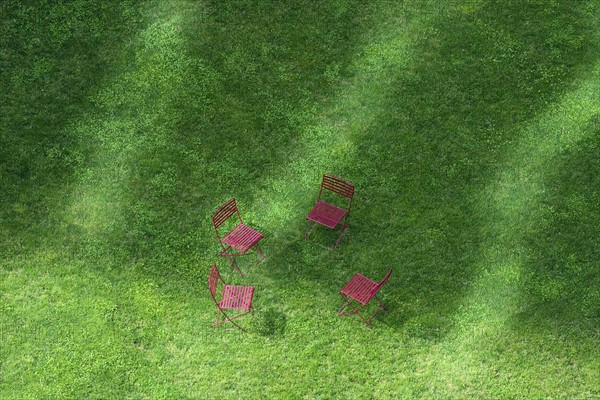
(128, 124)
(562, 273)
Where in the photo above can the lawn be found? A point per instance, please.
(471, 130)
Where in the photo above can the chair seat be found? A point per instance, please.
(237, 297)
(359, 288)
(326, 214)
(242, 238)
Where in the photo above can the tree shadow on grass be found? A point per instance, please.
(562, 277)
(480, 74)
(53, 57)
(259, 70)
(274, 60)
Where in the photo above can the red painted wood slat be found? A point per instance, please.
(338, 185)
(242, 238)
(224, 212)
(237, 297)
(360, 288)
(232, 298)
(326, 214)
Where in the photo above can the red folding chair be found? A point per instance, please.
(327, 214)
(241, 238)
(232, 298)
(361, 290)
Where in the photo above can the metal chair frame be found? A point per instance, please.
(327, 214)
(362, 290)
(241, 238)
(232, 297)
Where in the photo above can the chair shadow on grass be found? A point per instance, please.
(269, 322)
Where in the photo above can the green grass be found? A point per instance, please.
(471, 131)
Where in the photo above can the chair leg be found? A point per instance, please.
(217, 321)
(230, 257)
(382, 306)
(367, 321)
(310, 224)
(342, 230)
(236, 267)
(233, 263)
(226, 318)
(261, 255)
(346, 302)
(224, 253)
(354, 309)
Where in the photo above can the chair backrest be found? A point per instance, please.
(224, 212)
(337, 186)
(380, 284)
(213, 281)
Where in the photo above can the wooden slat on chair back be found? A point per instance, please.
(338, 186)
(223, 213)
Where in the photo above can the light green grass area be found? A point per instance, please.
(471, 130)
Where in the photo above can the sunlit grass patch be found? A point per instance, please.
(469, 129)
(498, 292)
